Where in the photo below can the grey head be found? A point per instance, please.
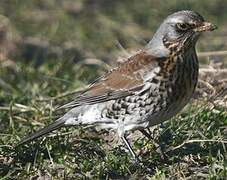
(183, 27)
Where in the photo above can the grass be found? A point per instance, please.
(79, 153)
(194, 141)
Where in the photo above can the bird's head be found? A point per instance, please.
(182, 27)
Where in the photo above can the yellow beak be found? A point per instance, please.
(205, 26)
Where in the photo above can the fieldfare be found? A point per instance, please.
(150, 87)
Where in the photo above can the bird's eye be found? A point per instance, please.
(182, 26)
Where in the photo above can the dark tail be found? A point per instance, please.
(55, 125)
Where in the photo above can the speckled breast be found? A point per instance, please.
(178, 87)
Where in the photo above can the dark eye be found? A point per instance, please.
(182, 26)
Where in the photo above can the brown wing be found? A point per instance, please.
(122, 81)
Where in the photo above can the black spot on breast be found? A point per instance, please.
(155, 81)
(124, 105)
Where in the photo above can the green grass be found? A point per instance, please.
(75, 152)
(194, 142)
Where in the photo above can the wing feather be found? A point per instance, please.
(122, 81)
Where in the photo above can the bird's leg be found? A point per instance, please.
(135, 157)
(145, 133)
(156, 144)
(130, 148)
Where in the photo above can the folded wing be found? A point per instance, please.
(122, 81)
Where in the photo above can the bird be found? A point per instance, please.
(150, 87)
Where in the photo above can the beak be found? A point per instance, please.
(205, 26)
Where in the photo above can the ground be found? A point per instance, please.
(50, 49)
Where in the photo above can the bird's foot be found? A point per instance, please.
(158, 147)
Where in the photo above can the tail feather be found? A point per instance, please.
(55, 125)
